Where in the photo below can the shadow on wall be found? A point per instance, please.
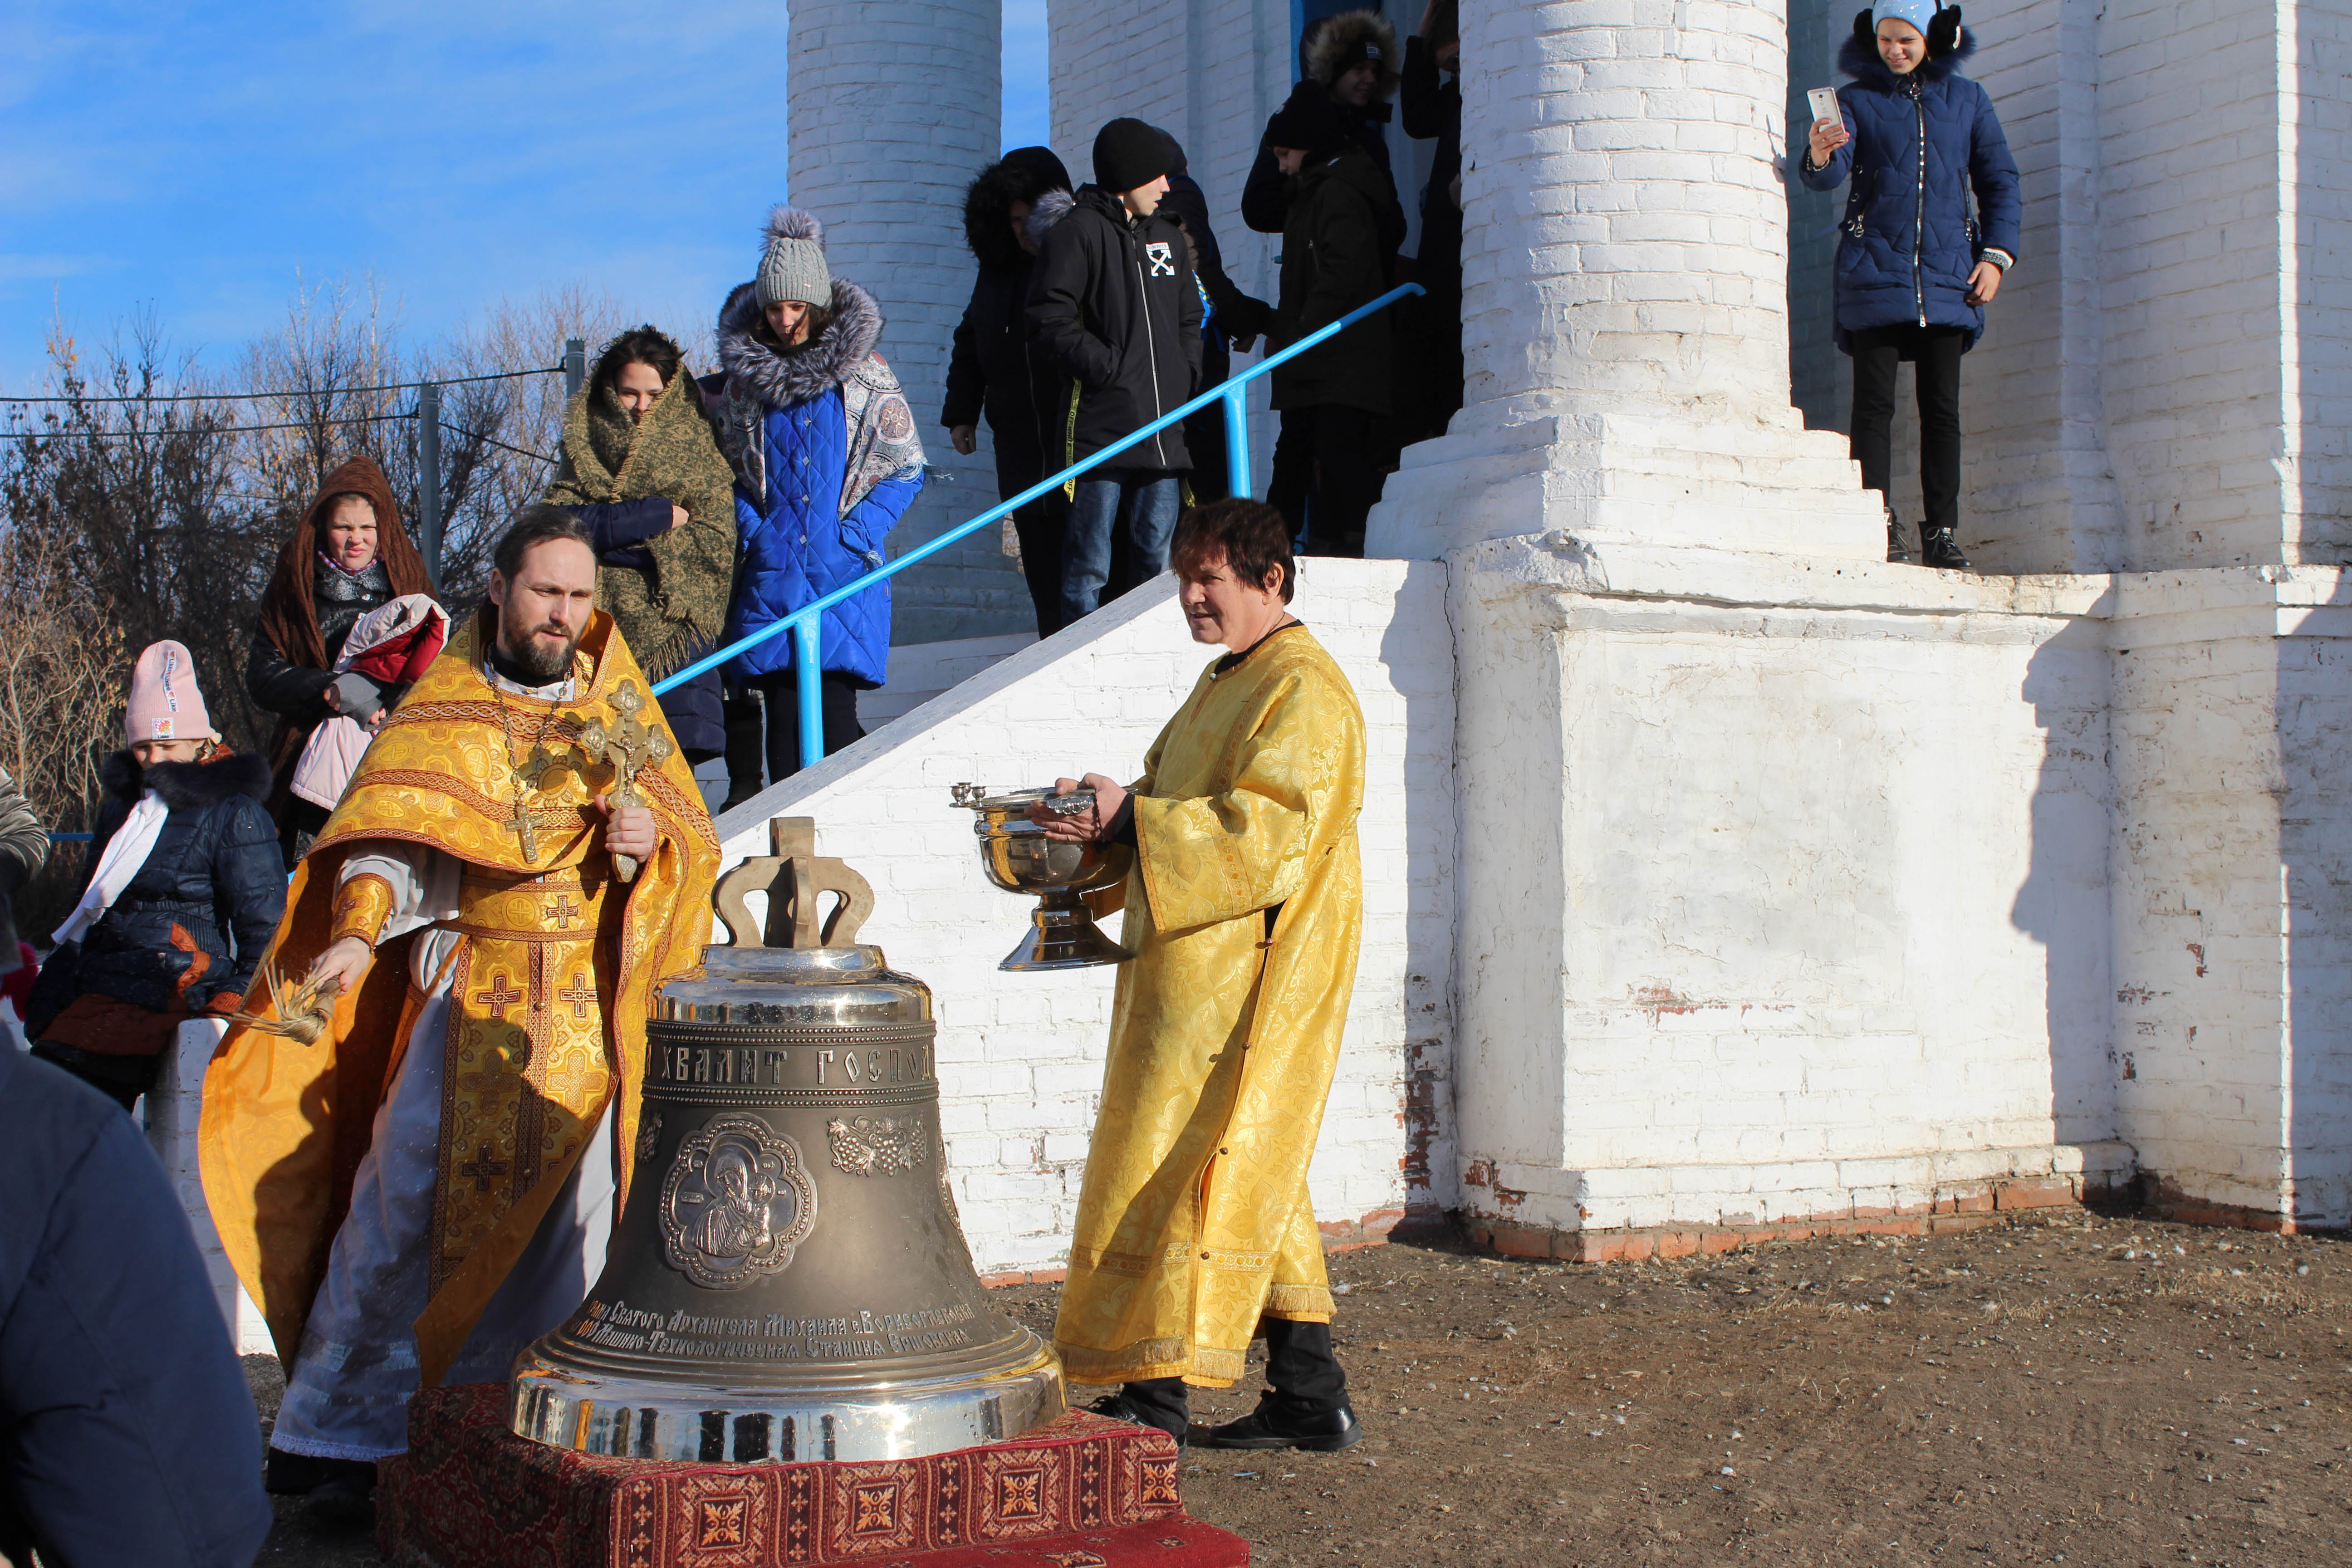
(2064, 901)
(2315, 725)
(1432, 1167)
(2322, 488)
(1818, 381)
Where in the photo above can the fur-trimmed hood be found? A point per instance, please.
(1048, 210)
(1023, 174)
(757, 381)
(1858, 57)
(184, 787)
(1338, 37)
(781, 380)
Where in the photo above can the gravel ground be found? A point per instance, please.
(2072, 1389)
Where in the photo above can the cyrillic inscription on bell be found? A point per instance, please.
(788, 1280)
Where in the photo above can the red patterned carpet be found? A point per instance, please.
(1084, 1492)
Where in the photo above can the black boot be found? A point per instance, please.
(1898, 541)
(346, 1501)
(1940, 548)
(340, 1492)
(1272, 1424)
(1307, 1406)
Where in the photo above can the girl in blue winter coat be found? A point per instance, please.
(1915, 267)
(825, 460)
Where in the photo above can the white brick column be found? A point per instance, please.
(1625, 272)
(891, 113)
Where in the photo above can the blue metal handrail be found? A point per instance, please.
(802, 623)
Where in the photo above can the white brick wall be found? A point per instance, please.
(1625, 265)
(2164, 381)
(2233, 720)
(892, 111)
(1021, 1055)
(1822, 922)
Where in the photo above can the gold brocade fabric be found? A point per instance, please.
(528, 1068)
(553, 980)
(1194, 1220)
(362, 906)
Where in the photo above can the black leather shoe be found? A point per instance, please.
(299, 1475)
(1898, 541)
(1266, 1427)
(1119, 1407)
(1941, 547)
(346, 1500)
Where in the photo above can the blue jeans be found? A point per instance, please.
(1147, 504)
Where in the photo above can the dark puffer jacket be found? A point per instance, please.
(195, 920)
(1920, 143)
(1266, 194)
(991, 370)
(1344, 220)
(130, 1435)
(294, 690)
(1116, 309)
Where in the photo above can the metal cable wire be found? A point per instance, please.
(202, 429)
(312, 392)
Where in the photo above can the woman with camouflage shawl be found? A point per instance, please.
(641, 470)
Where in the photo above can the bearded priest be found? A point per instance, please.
(1244, 908)
(416, 1150)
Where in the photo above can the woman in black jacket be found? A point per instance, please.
(992, 374)
(182, 890)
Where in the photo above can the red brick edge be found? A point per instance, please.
(2164, 1200)
(1963, 1210)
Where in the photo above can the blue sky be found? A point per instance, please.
(197, 158)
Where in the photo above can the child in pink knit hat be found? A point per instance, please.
(182, 888)
(166, 704)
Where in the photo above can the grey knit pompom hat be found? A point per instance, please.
(792, 267)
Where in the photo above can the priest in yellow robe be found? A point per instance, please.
(1244, 909)
(427, 1183)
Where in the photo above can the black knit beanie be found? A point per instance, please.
(1127, 154)
(1308, 120)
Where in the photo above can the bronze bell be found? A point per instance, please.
(789, 1280)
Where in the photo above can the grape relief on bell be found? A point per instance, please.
(736, 1204)
(875, 1145)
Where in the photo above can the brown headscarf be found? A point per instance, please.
(289, 619)
(289, 616)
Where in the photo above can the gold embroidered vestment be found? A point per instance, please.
(549, 985)
(1245, 912)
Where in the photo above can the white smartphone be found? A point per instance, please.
(1826, 104)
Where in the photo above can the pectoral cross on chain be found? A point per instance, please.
(526, 829)
(532, 775)
(629, 743)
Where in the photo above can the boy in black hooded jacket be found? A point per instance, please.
(1114, 304)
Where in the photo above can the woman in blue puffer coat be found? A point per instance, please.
(825, 460)
(1915, 267)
